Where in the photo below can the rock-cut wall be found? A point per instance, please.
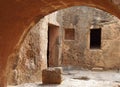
(26, 63)
(77, 51)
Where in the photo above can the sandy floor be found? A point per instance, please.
(80, 78)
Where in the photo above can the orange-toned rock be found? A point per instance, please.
(52, 75)
(22, 15)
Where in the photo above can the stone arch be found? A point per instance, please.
(17, 15)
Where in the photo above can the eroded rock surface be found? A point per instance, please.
(52, 75)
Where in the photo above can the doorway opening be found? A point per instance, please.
(53, 48)
(95, 38)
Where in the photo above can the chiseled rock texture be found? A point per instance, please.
(52, 75)
(77, 52)
(17, 16)
(26, 63)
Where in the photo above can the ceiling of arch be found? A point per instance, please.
(17, 15)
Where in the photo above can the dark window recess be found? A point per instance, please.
(69, 34)
(95, 38)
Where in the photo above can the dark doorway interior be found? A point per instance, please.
(53, 48)
(95, 38)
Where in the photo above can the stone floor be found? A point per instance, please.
(83, 78)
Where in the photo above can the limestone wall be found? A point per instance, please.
(28, 61)
(77, 52)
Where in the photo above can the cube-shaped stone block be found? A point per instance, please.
(52, 75)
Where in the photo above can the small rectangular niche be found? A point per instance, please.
(95, 38)
(69, 34)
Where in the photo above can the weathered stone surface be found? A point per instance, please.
(18, 15)
(77, 52)
(52, 75)
(26, 64)
(31, 58)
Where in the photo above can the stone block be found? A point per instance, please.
(52, 75)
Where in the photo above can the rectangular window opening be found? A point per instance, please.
(95, 38)
(69, 34)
